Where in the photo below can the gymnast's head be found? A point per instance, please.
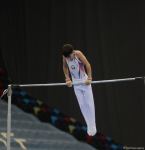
(67, 50)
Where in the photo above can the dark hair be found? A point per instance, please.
(67, 50)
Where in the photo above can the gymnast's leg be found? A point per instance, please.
(90, 108)
(85, 99)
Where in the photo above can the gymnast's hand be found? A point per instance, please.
(69, 83)
(88, 81)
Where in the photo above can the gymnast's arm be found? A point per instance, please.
(65, 69)
(84, 60)
(66, 73)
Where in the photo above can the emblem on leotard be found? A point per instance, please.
(73, 67)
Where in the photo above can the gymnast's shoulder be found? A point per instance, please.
(78, 52)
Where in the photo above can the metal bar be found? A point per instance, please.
(9, 118)
(93, 82)
(9, 94)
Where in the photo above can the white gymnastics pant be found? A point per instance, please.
(85, 99)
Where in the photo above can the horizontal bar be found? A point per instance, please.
(93, 82)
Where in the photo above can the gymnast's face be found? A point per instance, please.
(72, 55)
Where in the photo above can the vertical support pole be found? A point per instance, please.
(9, 117)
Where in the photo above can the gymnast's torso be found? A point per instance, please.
(77, 69)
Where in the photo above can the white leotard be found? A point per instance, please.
(77, 69)
(83, 93)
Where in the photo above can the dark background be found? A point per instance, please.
(111, 33)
